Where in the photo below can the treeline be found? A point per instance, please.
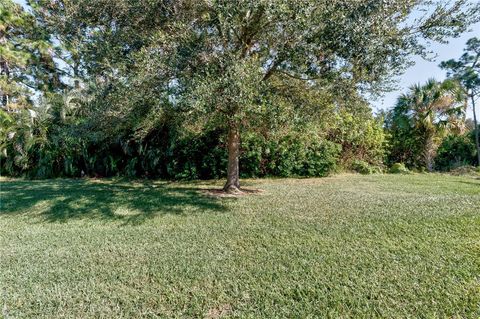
(48, 144)
(188, 90)
(66, 139)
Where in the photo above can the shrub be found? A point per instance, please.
(361, 136)
(197, 156)
(455, 151)
(301, 155)
(399, 168)
(364, 168)
(321, 159)
(254, 155)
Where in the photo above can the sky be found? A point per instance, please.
(422, 70)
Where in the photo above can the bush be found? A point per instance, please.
(296, 154)
(197, 156)
(364, 168)
(399, 168)
(455, 151)
(302, 155)
(361, 136)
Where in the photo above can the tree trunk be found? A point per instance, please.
(477, 134)
(429, 153)
(233, 181)
(4, 70)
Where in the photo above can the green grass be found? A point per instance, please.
(393, 246)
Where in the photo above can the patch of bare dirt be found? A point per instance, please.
(215, 192)
(219, 312)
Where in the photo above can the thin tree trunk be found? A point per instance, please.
(4, 70)
(233, 180)
(477, 134)
(429, 153)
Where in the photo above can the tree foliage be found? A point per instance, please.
(421, 119)
(466, 71)
(26, 60)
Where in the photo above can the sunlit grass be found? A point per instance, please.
(345, 246)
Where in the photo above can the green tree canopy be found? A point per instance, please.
(466, 70)
(26, 57)
(422, 117)
(224, 62)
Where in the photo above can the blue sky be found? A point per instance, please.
(422, 70)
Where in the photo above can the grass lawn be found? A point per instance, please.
(345, 246)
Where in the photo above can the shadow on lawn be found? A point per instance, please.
(474, 183)
(131, 202)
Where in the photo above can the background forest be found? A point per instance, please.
(102, 90)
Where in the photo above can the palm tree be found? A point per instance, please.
(431, 111)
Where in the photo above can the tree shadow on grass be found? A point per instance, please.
(474, 183)
(130, 202)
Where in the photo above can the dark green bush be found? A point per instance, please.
(299, 156)
(455, 151)
(290, 155)
(197, 156)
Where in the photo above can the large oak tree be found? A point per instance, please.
(217, 61)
